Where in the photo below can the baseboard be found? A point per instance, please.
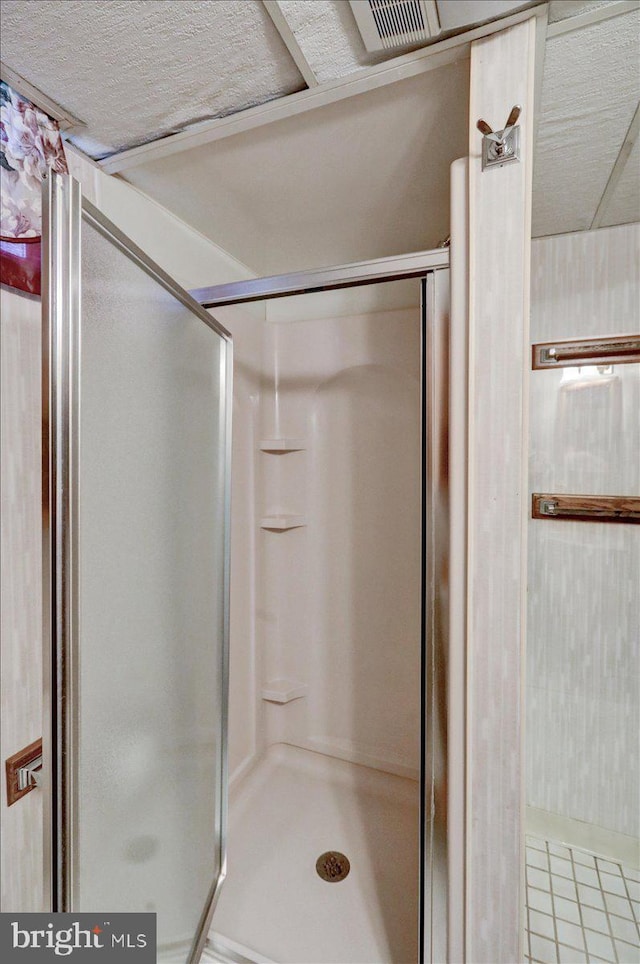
(577, 833)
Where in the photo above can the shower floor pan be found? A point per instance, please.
(290, 809)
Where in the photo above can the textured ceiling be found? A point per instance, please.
(136, 69)
(590, 91)
(625, 203)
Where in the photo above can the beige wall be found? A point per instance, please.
(583, 674)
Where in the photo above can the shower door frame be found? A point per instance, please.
(64, 209)
(443, 594)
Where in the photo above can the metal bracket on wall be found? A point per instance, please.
(501, 147)
(23, 771)
(586, 508)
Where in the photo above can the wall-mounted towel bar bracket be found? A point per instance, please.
(31, 774)
(619, 350)
(23, 771)
(586, 508)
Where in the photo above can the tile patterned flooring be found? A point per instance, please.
(580, 907)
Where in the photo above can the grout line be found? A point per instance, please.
(606, 911)
(575, 884)
(633, 910)
(553, 901)
(584, 929)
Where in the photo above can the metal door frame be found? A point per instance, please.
(432, 268)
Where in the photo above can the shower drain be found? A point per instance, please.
(332, 866)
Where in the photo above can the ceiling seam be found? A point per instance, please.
(617, 170)
(398, 68)
(590, 17)
(283, 27)
(66, 120)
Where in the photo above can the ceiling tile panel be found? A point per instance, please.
(134, 70)
(330, 40)
(624, 205)
(590, 92)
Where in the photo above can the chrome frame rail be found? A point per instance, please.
(615, 350)
(396, 268)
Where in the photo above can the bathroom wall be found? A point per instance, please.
(583, 674)
(340, 608)
(193, 261)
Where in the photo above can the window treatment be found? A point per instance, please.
(30, 145)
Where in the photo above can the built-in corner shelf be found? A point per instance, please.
(283, 690)
(280, 445)
(282, 522)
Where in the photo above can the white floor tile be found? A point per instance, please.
(538, 878)
(544, 950)
(566, 909)
(634, 888)
(586, 875)
(628, 953)
(600, 945)
(563, 887)
(561, 867)
(590, 896)
(558, 850)
(609, 867)
(624, 930)
(583, 905)
(570, 955)
(536, 858)
(613, 885)
(569, 933)
(541, 924)
(595, 919)
(619, 905)
(539, 900)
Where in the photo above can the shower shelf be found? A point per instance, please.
(283, 690)
(279, 445)
(283, 522)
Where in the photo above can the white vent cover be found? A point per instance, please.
(395, 23)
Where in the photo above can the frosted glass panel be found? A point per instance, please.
(150, 591)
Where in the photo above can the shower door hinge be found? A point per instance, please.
(500, 147)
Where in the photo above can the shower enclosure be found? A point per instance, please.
(137, 435)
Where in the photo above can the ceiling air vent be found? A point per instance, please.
(386, 24)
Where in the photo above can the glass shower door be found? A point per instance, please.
(136, 440)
